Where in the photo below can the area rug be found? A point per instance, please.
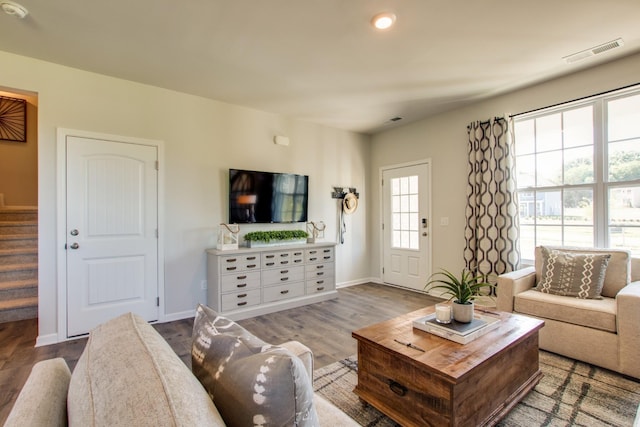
(570, 393)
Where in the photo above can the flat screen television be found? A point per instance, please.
(267, 197)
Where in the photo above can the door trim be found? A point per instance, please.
(61, 211)
(381, 171)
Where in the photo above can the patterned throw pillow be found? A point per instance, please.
(579, 275)
(252, 383)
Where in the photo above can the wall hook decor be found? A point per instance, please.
(348, 197)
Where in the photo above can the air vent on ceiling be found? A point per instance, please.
(579, 56)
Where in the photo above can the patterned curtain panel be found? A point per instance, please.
(491, 231)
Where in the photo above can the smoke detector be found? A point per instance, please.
(584, 54)
(13, 8)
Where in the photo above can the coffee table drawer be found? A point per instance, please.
(424, 398)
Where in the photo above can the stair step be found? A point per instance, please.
(18, 214)
(19, 227)
(17, 289)
(20, 255)
(8, 241)
(18, 309)
(24, 271)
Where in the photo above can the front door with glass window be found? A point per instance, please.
(406, 222)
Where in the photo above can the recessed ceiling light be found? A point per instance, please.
(383, 21)
(13, 8)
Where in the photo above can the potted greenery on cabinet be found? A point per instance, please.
(256, 239)
(463, 290)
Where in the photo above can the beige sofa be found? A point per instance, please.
(604, 332)
(129, 376)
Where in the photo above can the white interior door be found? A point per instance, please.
(406, 235)
(111, 231)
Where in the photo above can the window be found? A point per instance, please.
(578, 174)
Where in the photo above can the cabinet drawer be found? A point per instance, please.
(319, 270)
(282, 258)
(240, 299)
(281, 275)
(320, 285)
(242, 280)
(280, 292)
(319, 255)
(233, 264)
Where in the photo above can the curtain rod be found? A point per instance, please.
(574, 100)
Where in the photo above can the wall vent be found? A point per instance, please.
(579, 56)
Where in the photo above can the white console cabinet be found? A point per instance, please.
(248, 282)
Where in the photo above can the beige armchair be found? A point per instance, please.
(604, 332)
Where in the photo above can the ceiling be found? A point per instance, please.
(321, 60)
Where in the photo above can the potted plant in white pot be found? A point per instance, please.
(462, 290)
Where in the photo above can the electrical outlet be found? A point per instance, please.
(203, 285)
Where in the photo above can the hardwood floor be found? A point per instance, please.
(324, 327)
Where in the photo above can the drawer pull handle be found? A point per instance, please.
(327, 251)
(397, 388)
(242, 285)
(313, 252)
(231, 268)
(320, 288)
(312, 259)
(240, 304)
(320, 282)
(284, 255)
(320, 273)
(320, 267)
(251, 266)
(284, 262)
(327, 257)
(270, 256)
(269, 264)
(297, 253)
(242, 295)
(284, 279)
(284, 271)
(241, 277)
(298, 260)
(251, 258)
(286, 291)
(231, 260)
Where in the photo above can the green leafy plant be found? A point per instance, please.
(463, 289)
(267, 236)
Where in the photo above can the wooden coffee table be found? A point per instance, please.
(447, 384)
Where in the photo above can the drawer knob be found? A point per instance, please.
(286, 291)
(397, 388)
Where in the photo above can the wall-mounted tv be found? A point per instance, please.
(267, 197)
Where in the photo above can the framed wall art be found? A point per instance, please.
(13, 119)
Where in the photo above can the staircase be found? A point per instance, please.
(18, 264)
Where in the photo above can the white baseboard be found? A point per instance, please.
(46, 340)
(171, 317)
(358, 282)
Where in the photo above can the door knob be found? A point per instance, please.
(74, 246)
(74, 232)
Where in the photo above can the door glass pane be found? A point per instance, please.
(405, 212)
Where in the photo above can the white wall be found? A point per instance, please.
(443, 138)
(202, 139)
